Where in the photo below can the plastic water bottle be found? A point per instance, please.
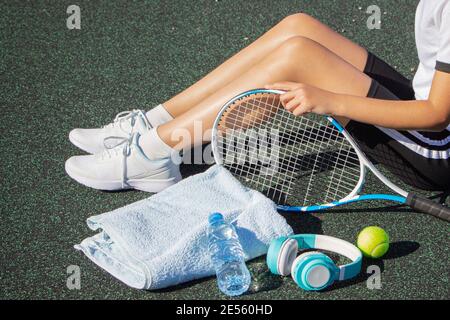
(233, 277)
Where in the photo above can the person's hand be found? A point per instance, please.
(301, 98)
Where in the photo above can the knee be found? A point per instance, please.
(293, 50)
(297, 22)
(297, 46)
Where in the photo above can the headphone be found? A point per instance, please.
(312, 270)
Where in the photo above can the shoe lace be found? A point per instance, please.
(114, 146)
(131, 116)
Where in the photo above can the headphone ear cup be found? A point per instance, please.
(286, 257)
(282, 252)
(313, 270)
(272, 254)
(295, 268)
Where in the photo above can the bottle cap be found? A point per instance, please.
(214, 217)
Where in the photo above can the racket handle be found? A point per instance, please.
(428, 206)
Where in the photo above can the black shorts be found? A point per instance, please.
(411, 167)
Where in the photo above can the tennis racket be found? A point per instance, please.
(305, 163)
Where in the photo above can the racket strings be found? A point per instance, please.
(342, 181)
(301, 159)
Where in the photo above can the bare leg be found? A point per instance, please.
(298, 59)
(292, 26)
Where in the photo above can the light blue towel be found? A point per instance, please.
(161, 241)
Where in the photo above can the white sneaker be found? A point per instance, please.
(124, 125)
(124, 166)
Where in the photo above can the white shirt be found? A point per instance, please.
(432, 31)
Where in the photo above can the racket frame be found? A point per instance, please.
(365, 164)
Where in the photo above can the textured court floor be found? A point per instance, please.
(136, 54)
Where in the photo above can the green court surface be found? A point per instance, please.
(135, 54)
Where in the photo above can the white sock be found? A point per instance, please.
(158, 116)
(153, 147)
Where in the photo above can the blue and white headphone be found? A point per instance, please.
(312, 270)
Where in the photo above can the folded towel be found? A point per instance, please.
(162, 240)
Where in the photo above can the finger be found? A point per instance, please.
(286, 97)
(299, 111)
(294, 103)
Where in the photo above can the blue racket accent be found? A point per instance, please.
(365, 197)
(336, 124)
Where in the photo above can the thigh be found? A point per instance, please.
(301, 24)
(307, 61)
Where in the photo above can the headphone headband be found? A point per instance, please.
(342, 247)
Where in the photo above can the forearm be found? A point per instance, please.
(402, 115)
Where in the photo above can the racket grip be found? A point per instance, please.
(428, 206)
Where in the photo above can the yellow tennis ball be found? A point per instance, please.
(373, 242)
